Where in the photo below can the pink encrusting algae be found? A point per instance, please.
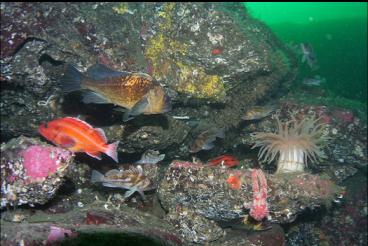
(40, 161)
(259, 208)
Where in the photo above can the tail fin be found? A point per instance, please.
(72, 79)
(97, 176)
(112, 151)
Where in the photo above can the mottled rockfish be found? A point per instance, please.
(139, 93)
(132, 179)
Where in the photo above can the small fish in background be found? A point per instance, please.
(224, 160)
(308, 55)
(258, 112)
(315, 81)
(151, 157)
(78, 136)
(204, 141)
(139, 93)
(132, 179)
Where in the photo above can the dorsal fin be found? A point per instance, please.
(99, 131)
(100, 72)
(114, 172)
(78, 120)
(93, 97)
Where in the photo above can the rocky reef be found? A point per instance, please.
(213, 59)
(215, 62)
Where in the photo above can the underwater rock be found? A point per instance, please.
(194, 227)
(88, 224)
(205, 191)
(31, 171)
(165, 133)
(241, 63)
(271, 237)
(29, 95)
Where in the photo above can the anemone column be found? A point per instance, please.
(291, 160)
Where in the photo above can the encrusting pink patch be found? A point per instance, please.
(40, 162)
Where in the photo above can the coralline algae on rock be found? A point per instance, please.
(39, 161)
(31, 171)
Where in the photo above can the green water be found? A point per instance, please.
(338, 34)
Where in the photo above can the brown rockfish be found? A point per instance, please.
(258, 112)
(139, 93)
(204, 141)
(132, 179)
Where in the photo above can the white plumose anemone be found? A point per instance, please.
(295, 142)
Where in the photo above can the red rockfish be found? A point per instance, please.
(78, 136)
(226, 160)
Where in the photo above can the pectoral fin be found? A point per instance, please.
(92, 97)
(129, 193)
(66, 141)
(137, 109)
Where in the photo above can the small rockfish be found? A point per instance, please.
(315, 81)
(308, 55)
(205, 139)
(139, 93)
(132, 180)
(78, 136)
(226, 160)
(258, 112)
(150, 157)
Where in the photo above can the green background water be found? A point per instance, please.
(338, 34)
